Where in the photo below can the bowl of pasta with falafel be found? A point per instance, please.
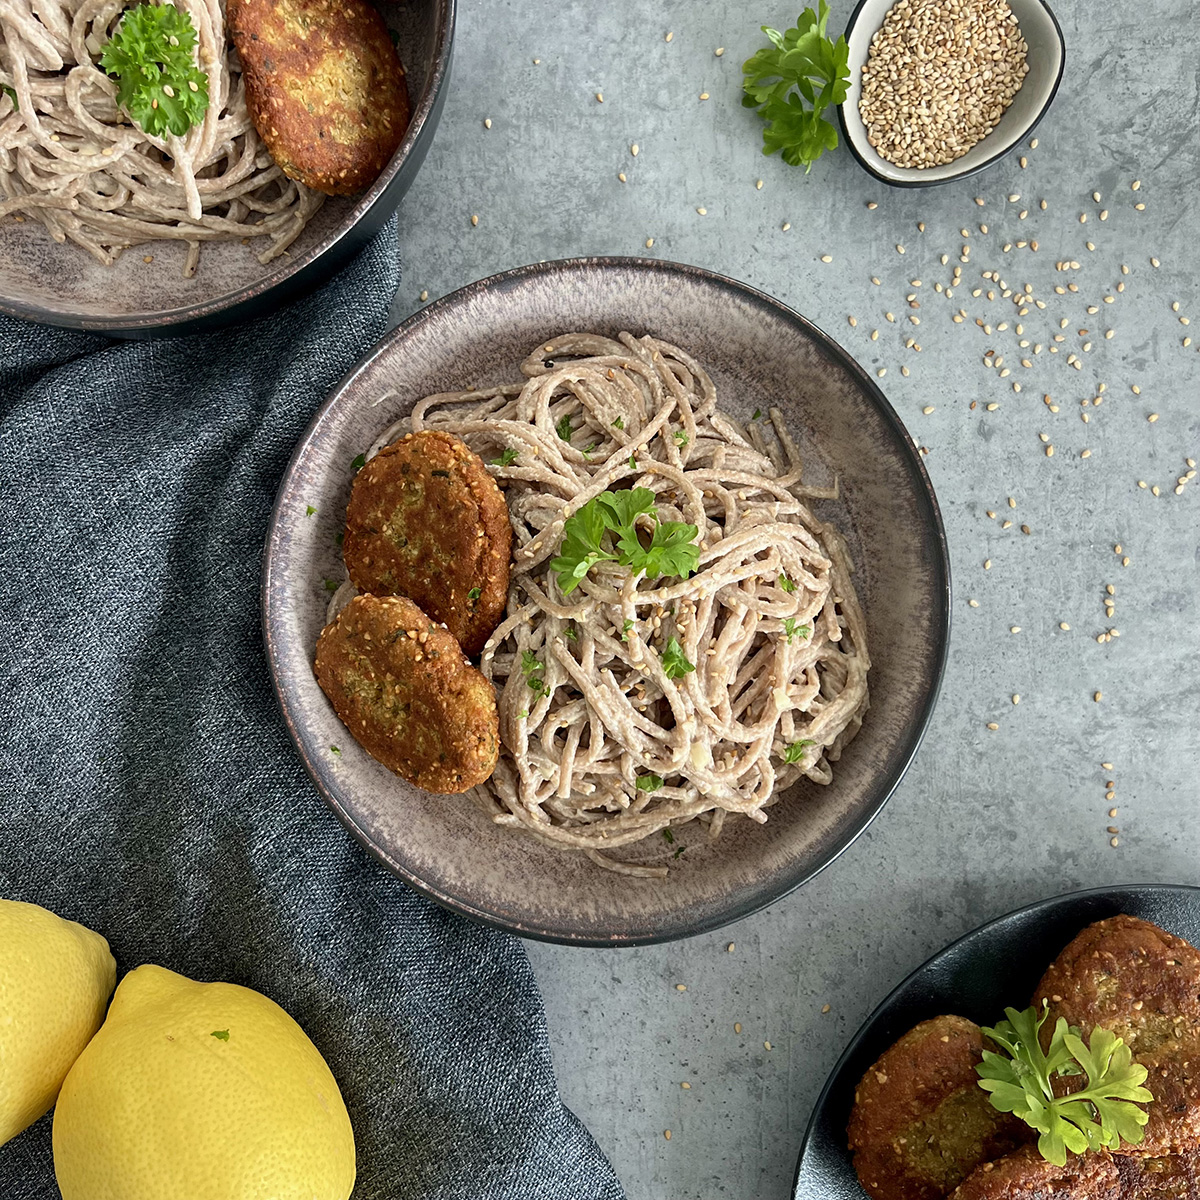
(171, 165)
(606, 600)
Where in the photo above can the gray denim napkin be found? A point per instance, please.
(147, 785)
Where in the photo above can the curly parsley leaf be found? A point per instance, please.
(359, 462)
(11, 93)
(1020, 1080)
(153, 55)
(506, 459)
(649, 783)
(681, 438)
(795, 752)
(787, 585)
(563, 428)
(612, 517)
(674, 661)
(222, 1035)
(619, 423)
(817, 68)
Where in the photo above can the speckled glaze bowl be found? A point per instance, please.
(760, 354)
(54, 284)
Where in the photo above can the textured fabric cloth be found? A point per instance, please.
(147, 784)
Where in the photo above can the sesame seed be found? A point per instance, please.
(871, 205)
(687, 1087)
(973, 603)
(1015, 629)
(681, 987)
(1063, 625)
(927, 409)
(474, 218)
(621, 177)
(649, 243)
(1016, 698)
(719, 51)
(786, 226)
(1114, 842)
(703, 95)
(992, 725)
(766, 1045)
(1135, 185)
(759, 185)
(828, 258)
(667, 1134)
(730, 948)
(899, 249)
(424, 296)
(669, 37)
(634, 149)
(600, 97)
(704, 213)
(737, 1027)
(853, 322)
(1098, 697)
(487, 122)
(1152, 418)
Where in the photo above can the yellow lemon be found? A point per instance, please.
(55, 979)
(200, 1091)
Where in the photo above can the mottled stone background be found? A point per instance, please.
(986, 820)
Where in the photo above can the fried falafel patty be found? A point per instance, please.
(324, 86)
(1176, 1177)
(426, 520)
(1026, 1175)
(921, 1122)
(1143, 984)
(404, 689)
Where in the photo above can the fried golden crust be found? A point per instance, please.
(324, 87)
(427, 521)
(920, 1122)
(1026, 1175)
(403, 688)
(1176, 1177)
(1143, 983)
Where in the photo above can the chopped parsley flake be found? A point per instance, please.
(795, 752)
(619, 423)
(787, 585)
(336, 750)
(506, 459)
(668, 836)
(680, 437)
(222, 1035)
(359, 462)
(531, 668)
(563, 428)
(474, 593)
(791, 629)
(649, 783)
(675, 663)
(629, 624)
(332, 585)
(757, 414)
(309, 510)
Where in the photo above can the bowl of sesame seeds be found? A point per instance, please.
(941, 89)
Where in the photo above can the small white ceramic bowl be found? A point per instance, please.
(1046, 58)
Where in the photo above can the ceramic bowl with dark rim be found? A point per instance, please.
(41, 280)
(760, 354)
(997, 965)
(1046, 58)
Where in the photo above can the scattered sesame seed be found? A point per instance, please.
(973, 603)
(1098, 697)
(634, 149)
(703, 95)
(1114, 842)
(825, 1008)
(667, 1134)
(786, 226)
(1015, 629)
(759, 184)
(992, 725)
(1016, 698)
(669, 36)
(600, 97)
(927, 409)
(719, 51)
(487, 122)
(687, 1087)
(424, 296)
(1063, 625)
(621, 177)
(704, 213)
(828, 258)
(730, 948)
(899, 249)
(737, 1027)
(649, 243)
(872, 205)
(681, 987)
(1135, 185)
(766, 1045)
(881, 372)
(1152, 418)
(474, 218)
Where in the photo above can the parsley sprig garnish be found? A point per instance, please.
(795, 752)
(153, 55)
(531, 668)
(1020, 1080)
(605, 530)
(817, 68)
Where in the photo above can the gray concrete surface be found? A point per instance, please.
(986, 820)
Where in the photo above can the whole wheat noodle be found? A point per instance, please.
(644, 414)
(71, 159)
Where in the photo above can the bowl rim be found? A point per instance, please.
(683, 926)
(870, 167)
(1018, 915)
(284, 270)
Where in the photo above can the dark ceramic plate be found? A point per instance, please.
(998, 964)
(41, 280)
(760, 354)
